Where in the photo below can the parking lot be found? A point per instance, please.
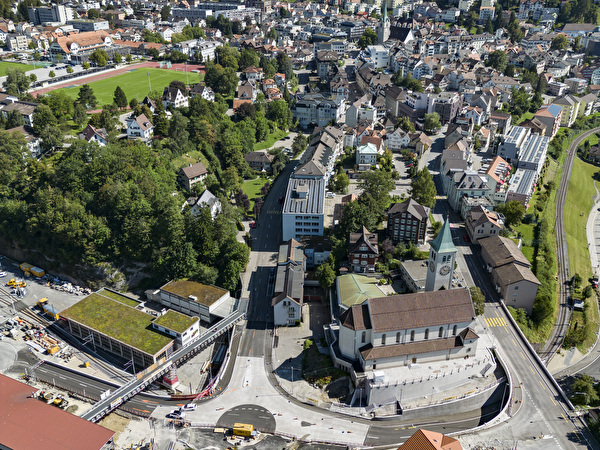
(58, 296)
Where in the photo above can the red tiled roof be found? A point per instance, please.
(26, 422)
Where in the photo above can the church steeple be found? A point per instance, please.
(441, 260)
(383, 30)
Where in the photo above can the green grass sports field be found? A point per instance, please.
(134, 84)
(5, 65)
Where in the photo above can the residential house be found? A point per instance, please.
(512, 143)
(33, 142)
(260, 160)
(92, 134)
(139, 127)
(318, 110)
(366, 156)
(288, 290)
(481, 223)
(203, 92)
(397, 140)
(255, 74)
(466, 184)
(588, 104)
(551, 116)
(407, 222)
(363, 251)
(192, 174)
(522, 186)
(570, 109)
(510, 272)
(172, 96)
(209, 201)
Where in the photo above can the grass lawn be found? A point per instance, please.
(5, 65)
(252, 189)
(189, 158)
(524, 116)
(580, 200)
(271, 139)
(134, 84)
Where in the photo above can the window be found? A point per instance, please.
(454, 330)
(412, 336)
(398, 338)
(441, 332)
(363, 337)
(383, 339)
(426, 333)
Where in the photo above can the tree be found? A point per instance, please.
(514, 29)
(16, 82)
(587, 291)
(509, 71)
(178, 130)
(52, 138)
(341, 182)
(117, 57)
(165, 13)
(432, 122)
(284, 13)
(478, 300)
(86, 96)
(120, 98)
(86, 65)
(99, 56)
(423, 188)
(93, 13)
(271, 34)
(179, 85)
(326, 275)
(376, 185)
(128, 58)
(69, 69)
(33, 78)
(406, 125)
(52, 74)
(14, 119)
(230, 180)
(248, 57)
(299, 144)
(576, 44)
(576, 280)
(583, 387)
(369, 37)
(279, 112)
(42, 118)
(489, 26)
(79, 114)
(408, 82)
(497, 60)
(560, 42)
(513, 211)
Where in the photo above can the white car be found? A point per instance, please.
(3, 274)
(176, 415)
(190, 407)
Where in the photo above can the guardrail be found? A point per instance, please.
(132, 388)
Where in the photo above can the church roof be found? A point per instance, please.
(443, 241)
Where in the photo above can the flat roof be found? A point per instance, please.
(26, 422)
(356, 289)
(522, 181)
(305, 196)
(204, 293)
(535, 150)
(118, 321)
(176, 321)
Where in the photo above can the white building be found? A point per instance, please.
(377, 56)
(366, 156)
(288, 292)
(303, 208)
(139, 128)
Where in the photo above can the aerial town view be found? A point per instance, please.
(327, 224)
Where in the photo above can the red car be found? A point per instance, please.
(253, 225)
(466, 238)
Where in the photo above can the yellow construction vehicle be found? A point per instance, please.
(16, 283)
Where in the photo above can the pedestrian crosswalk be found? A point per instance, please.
(495, 321)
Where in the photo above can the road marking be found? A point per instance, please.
(531, 368)
(544, 387)
(83, 384)
(142, 410)
(149, 401)
(495, 321)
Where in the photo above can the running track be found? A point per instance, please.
(112, 73)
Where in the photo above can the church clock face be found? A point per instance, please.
(431, 266)
(445, 270)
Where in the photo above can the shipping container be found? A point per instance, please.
(36, 271)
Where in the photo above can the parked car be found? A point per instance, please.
(253, 225)
(176, 414)
(466, 238)
(3, 274)
(190, 407)
(330, 195)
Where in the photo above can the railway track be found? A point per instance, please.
(564, 312)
